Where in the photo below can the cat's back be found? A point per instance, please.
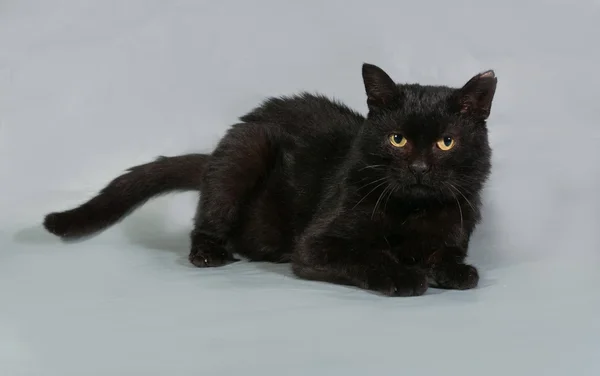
(306, 113)
(317, 135)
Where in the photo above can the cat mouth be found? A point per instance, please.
(419, 187)
(419, 191)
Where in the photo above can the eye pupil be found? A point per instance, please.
(447, 141)
(397, 140)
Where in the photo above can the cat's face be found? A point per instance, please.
(427, 141)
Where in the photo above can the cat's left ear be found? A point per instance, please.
(475, 98)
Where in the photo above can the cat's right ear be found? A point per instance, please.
(382, 91)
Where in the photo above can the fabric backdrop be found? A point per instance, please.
(89, 88)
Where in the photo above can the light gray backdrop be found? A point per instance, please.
(89, 88)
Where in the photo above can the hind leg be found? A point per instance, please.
(265, 230)
(239, 163)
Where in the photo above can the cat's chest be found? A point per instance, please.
(425, 229)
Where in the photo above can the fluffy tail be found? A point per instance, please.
(126, 193)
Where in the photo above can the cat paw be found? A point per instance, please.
(210, 259)
(206, 253)
(410, 282)
(456, 276)
(413, 282)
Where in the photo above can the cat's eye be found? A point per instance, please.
(446, 143)
(397, 140)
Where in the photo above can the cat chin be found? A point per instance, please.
(420, 191)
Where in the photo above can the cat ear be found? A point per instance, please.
(381, 89)
(475, 97)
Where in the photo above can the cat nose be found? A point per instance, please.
(419, 168)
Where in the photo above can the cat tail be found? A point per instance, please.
(126, 193)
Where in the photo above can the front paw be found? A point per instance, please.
(404, 282)
(455, 276)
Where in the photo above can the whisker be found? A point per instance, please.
(373, 182)
(365, 196)
(371, 166)
(379, 199)
(466, 199)
(459, 207)
(392, 191)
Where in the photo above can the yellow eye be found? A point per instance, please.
(397, 140)
(446, 143)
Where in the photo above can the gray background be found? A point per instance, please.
(88, 88)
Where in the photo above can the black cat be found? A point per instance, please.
(386, 203)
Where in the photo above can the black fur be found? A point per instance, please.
(126, 193)
(371, 202)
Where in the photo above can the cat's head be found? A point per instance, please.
(427, 140)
